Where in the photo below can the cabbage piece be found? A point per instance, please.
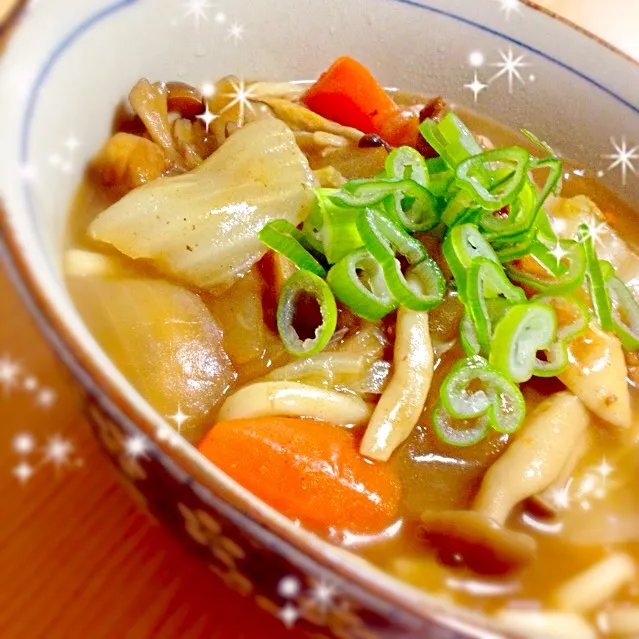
(164, 341)
(202, 226)
(568, 213)
(355, 366)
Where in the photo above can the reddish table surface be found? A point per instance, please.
(78, 557)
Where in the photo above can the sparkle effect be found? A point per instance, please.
(23, 472)
(236, 33)
(509, 7)
(57, 452)
(558, 253)
(24, 444)
(593, 484)
(207, 117)
(319, 598)
(241, 97)
(289, 615)
(509, 66)
(179, 418)
(9, 372)
(476, 86)
(623, 157)
(595, 230)
(323, 594)
(136, 446)
(198, 10)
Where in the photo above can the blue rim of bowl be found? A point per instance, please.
(102, 386)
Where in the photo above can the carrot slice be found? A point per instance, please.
(348, 93)
(308, 470)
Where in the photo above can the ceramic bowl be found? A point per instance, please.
(66, 65)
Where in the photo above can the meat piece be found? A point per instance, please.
(480, 543)
(434, 110)
(127, 161)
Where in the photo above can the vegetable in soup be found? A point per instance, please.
(409, 329)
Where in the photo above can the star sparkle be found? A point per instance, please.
(510, 66)
(207, 117)
(241, 96)
(322, 594)
(236, 33)
(558, 253)
(198, 9)
(509, 7)
(476, 86)
(136, 446)
(23, 472)
(10, 370)
(179, 418)
(57, 451)
(289, 614)
(24, 443)
(622, 157)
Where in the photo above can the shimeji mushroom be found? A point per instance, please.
(597, 584)
(533, 461)
(597, 374)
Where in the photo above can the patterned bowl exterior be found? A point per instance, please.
(247, 557)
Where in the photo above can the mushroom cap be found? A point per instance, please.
(469, 538)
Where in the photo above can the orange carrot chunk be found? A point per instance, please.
(307, 470)
(348, 93)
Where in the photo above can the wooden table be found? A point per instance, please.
(78, 557)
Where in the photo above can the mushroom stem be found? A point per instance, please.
(546, 500)
(535, 459)
(402, 403)
(291, 399)
(550, 624)
(596, 585)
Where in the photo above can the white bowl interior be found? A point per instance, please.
(70, 62)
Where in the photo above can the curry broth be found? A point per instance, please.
(434, 475)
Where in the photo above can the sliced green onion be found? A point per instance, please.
(463, 243)
(459, 208)
(519, 217)
(415, 207)
(468, 336)
(357, 280)
(312, 227)
(496, 308)
(440, 177)
(553, 182)
(405, 163)
(545, 231)
(410, 202)
(284, 238)
(624, 311)
(564, 278)
(524, 330)
(615, 306)
(298, 284)
(598, 291)
(384, 239)
(364, 192)
(459, 432)
(451, 138)
(514, 248)
(486, 276)
(540, 143)
(471, 176)
(473, 388)
(572, 320)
